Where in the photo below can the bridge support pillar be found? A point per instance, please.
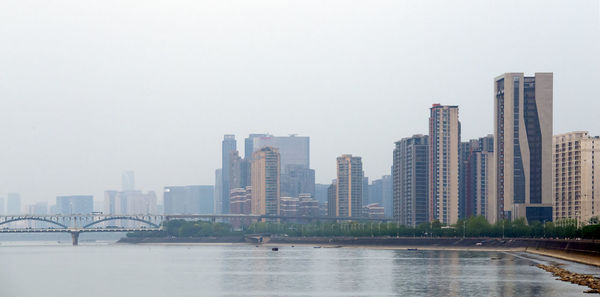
(75, 237)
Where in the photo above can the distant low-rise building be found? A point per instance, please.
(288, 206)
(75, 204)
(194, 199)
(374, 211)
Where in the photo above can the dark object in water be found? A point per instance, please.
(316, 247)
(412, 249)
(275, 249)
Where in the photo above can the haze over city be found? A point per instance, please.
(90, 89)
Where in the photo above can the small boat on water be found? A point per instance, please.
(275, 249)
(412, 249)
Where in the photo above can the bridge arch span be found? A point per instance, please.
(33, 219)
(121, 218)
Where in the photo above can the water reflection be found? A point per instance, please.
(246, 270)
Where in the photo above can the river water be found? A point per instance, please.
(51, 270)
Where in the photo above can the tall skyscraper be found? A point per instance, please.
(349, 186)
(128, 181)
(296, 175)
(444, 140)
(75, 204)
(227, 147)
(576, 176)
(13, 203)
(193, 199)
(523, 145)
(265, 181)
(478, 179)
(410, 175)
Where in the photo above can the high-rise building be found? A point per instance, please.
(227, 147)
(218, 193)
(444, 140)
(365, 190)
(576, 176)
(13, 203)
(296, 175)
(75, 204)
(321, 192)
(523, 145)
(478, 178)
(194, 199)
(265, 181)
(349, 186)
(128, 181)
(464, 149)
(332, 199)
(239, 171)
(410, 175)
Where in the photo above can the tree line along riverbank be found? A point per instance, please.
(472, 227)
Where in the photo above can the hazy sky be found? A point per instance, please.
(91, 88)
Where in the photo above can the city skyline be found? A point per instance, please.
(75, 131)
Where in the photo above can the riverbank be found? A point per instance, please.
(581, 251)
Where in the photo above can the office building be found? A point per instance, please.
(349, 186)
(265, 181)
(576, 176)
(75, 204)
(478, 179)
(523, 146)
(13, 203)
(194, 199)
(227, 147)
(444, 141)
(410, 175)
